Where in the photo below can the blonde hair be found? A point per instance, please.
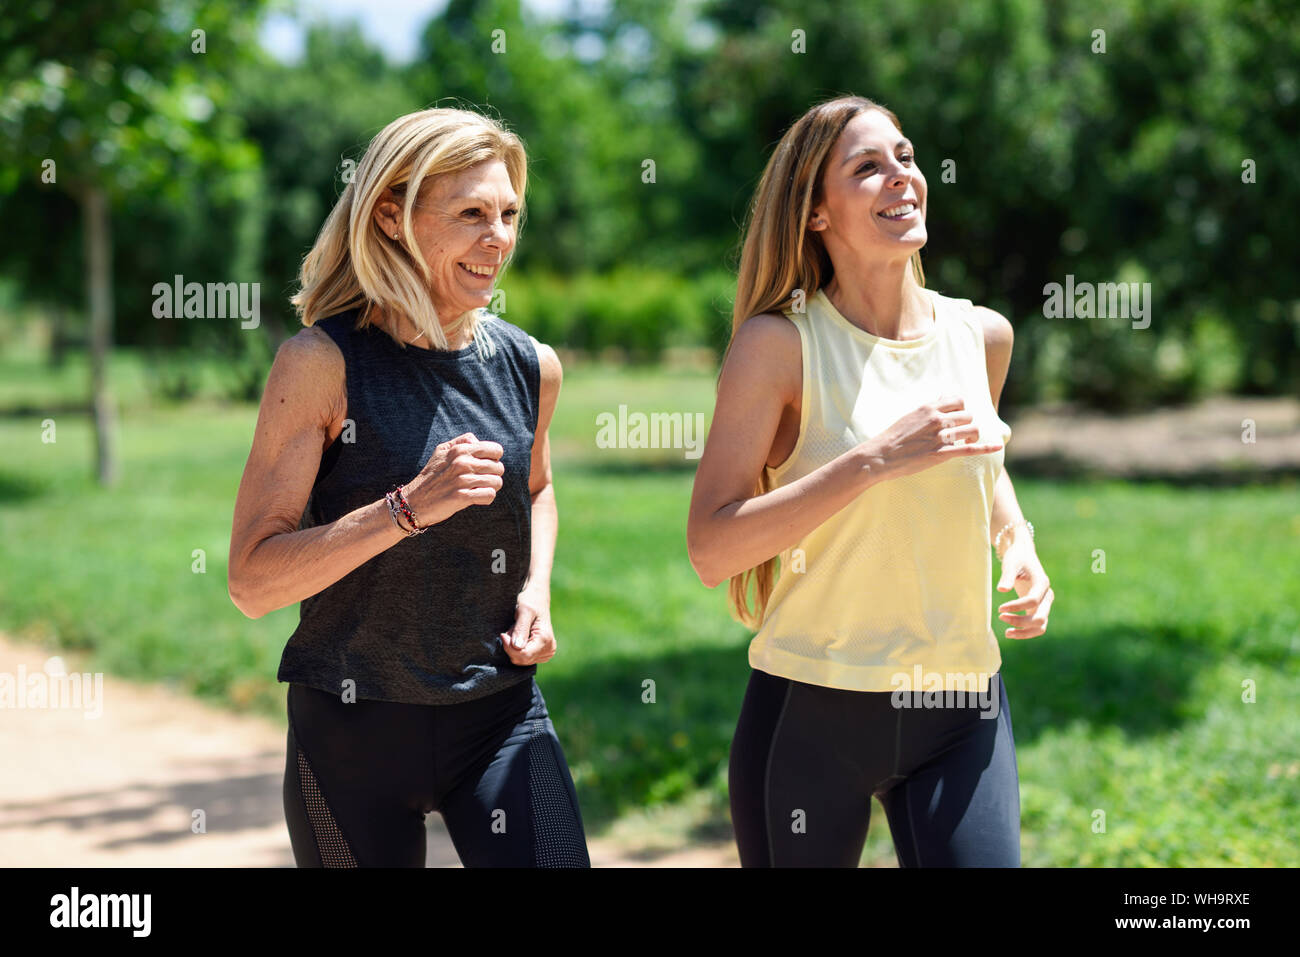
(353, 263)
(780, 256)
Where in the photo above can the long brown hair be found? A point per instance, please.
(780, 258)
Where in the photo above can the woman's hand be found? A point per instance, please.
(1022, 569)
(461, 472)
(531, 641)
(928, 435)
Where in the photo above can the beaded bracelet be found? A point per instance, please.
(397, 501)
(406, 509)
(395, 507)
(392, 510)
(998, 541)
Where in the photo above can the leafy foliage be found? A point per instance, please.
(1057, 139)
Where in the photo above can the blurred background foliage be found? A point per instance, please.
(1122, 164)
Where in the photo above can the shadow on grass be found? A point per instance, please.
(26, 409)
(621, 467)
(630, 754)
(18, 488)
(1135, 679)
(1059, 467)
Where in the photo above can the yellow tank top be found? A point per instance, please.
(894, 591)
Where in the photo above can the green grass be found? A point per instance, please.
(1130, 705)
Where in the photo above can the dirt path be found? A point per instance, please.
(120, 789)
(1210, 440)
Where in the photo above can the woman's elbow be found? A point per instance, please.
(242, 596)
(241, 586)
(702, 558)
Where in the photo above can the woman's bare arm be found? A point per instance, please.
(532, 639)
(272, 563)
(1026, 615)
(999, 340)
(729, 530)
(545, 514)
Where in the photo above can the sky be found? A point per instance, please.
(392, 25)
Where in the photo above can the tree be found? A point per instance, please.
(107, 100)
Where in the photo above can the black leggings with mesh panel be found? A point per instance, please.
(360, 778)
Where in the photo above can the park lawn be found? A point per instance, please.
(1129, 713)
(29, 385)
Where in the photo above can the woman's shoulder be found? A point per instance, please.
(983, 313)
(523, 341)
(951, 302)
(315, 347)
(982, 316)
(768, 343)
(309, 366)
(995, 328)
(343, 319)
(992, 328)
(333, 330)
(521, 348)
(768, 348)
(767, 330)
(502, 331)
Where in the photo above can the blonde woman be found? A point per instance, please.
(399, 487)
(856, 436)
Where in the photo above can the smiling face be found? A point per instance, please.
(871, 172)
(465, 225)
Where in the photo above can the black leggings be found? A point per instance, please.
(806, 760)
(360, 778)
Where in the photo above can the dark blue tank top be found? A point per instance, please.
(419, 622)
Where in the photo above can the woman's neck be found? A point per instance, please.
(892, 305)
(405, 331)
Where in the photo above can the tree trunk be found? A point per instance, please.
(58, 335)
(99, 296)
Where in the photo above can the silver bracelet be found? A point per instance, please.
(392, 510)
(998, 541)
